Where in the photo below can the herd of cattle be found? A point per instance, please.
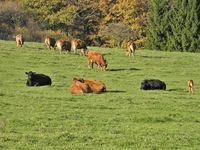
(80, 85)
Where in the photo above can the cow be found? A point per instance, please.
(63, 45)
(95, 85)
(50, 42)
(153, 84)
(130, 49)
(19, 40)
(191, 86)
(79, 87)
(79, 44)
(97, 58)
(37, 79)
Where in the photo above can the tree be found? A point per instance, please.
(173, 25)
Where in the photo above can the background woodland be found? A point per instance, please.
(169, 25)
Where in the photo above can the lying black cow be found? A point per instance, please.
(37, 79)
(153, 84)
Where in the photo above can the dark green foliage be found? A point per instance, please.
(174, 26)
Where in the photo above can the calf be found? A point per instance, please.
(63, 45)
(79, 87)
(130, 49)
(97, 58)
(95, 85)
(19, 40)
(191, 86)
(37, 79)
(153, 84)
(79, 44)
(50, 42)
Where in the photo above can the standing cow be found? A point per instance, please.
(63, 45)
(130, 49)
(79, 44)
(153, 84)
(37, 79)
(78, 87)
(50, 42)
(95, 85)
(97, 58)
(19, 40)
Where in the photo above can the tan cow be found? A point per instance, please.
(78, 87)
(50, 42)
(79, 44)
(63, 45)
(19, 40)
(191, 86)
(95, 85)
(130, 49)
(97, 58)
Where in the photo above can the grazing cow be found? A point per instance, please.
(130, 49)
(153, 84)
(95, 85)
(50, 42)
(191, 86)
(63, 45)
(79, 44)
(19, 40)
(79, 87)
(97, 58)
(37, 79)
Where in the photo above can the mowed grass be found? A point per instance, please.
(124, 117)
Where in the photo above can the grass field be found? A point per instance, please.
(124, 117)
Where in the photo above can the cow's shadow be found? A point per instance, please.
(115, 91)
(153, 56)
(177, 90)
(122, 69)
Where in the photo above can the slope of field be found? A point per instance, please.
(124, 117)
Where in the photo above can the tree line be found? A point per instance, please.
(171, 25)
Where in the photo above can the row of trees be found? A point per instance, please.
(95, 21)
(156, 24)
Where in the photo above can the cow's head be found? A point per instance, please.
(30, 74)
(145, 85)
(105, 65)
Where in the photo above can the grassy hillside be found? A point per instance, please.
(124, 117)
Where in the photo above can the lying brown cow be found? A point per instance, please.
(78, 87)
(97, 58)
(50, 42)
(79, 44)
(63, 45)
(95, 85)
(130, 49)
(19, 40)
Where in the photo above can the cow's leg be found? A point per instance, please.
(89, 63)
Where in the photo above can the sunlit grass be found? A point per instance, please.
(124, 117)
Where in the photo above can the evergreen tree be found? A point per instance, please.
(174, 25)
(158, 25)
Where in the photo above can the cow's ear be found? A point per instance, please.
(26, 72)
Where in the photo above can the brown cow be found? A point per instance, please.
(50, 42)
(79, 44)
(63, 45)
(95, 85)
(97, 58)
(191, 86)
(19, 40)
(78, 87)
(130, 49)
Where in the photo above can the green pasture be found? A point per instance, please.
(124, 117)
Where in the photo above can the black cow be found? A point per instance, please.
(37, 79)
(153, 84)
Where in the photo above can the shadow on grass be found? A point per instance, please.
(115, 91)
(121, 69)
(1, 94)
(153, 56)
(177, 90)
